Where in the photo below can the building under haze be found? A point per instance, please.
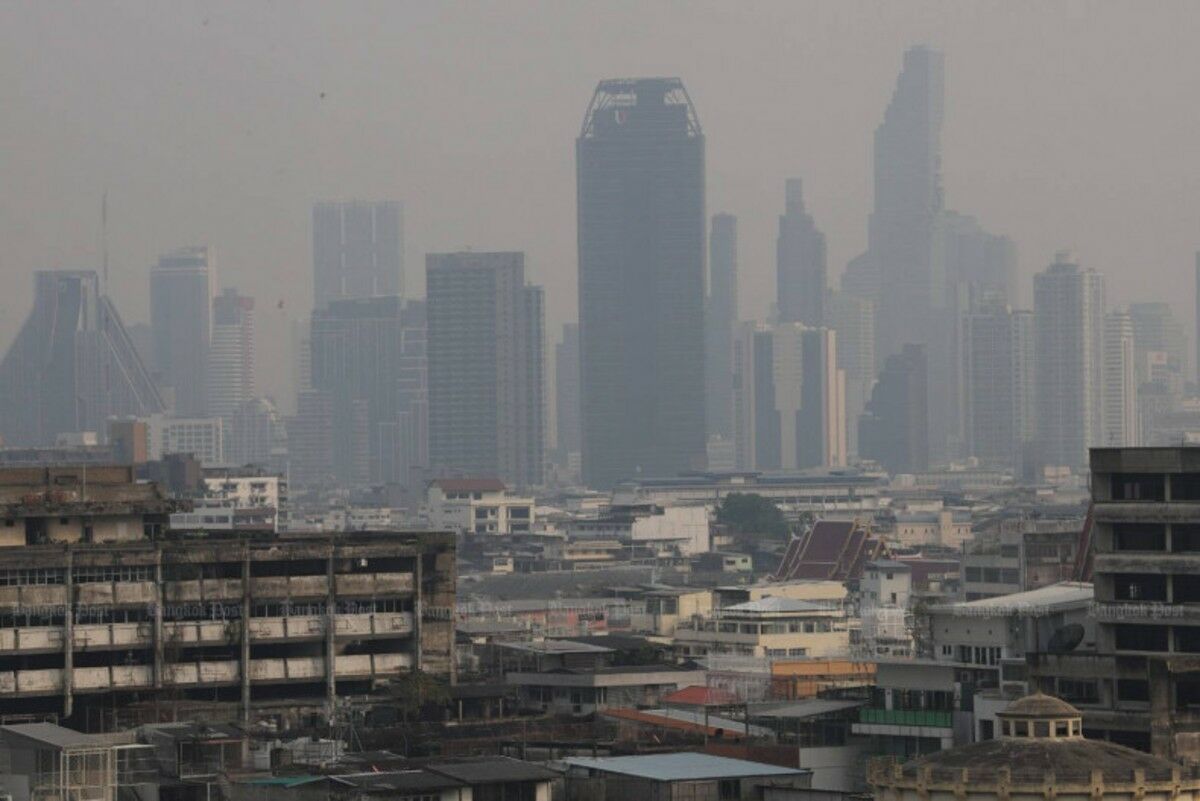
(853, 318)
(181, 293)
(893, 430)
(566, 395)
(640, 174)
(486, 382)
(358, 250)
(362, 356)
(799, 262)
(720, 322)
(1068, 305)
(231, 354)
(998, 348)
(72, 365)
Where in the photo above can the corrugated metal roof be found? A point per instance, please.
(810, 708)
(54, 735)
(684, 766)
(1043, 600)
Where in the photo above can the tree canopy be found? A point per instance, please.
(751, 514)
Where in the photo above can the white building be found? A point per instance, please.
(666, 530)
(1121, 427)
(231, 355)
(479, 505)
(258, 495)
(768, 627)
(202, 437)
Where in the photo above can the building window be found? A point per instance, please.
(1139, 537)
(1140, 638)
(1138, 487)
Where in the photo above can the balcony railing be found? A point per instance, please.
(907, 717)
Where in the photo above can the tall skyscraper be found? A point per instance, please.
(799, 262)
(904, 227)
(566, 382)
(72, 365)
(983, 263)
(1069, 307)
(720, 320)
(181, 291)
(821, 421)
(640, 173)
(358, 250)
(1120, 384)
(757, 425)
(255, 434)
(361, 359)
(486, 398)
(231, 354)
(893, 429)
(999, 368)
(853, 318)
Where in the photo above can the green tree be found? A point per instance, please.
(415, 690)
(751, 514)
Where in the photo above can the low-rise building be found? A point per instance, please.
(768, 627)
(251, 491)
(478, 505)
(666, 777)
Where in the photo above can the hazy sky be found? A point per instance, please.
(1067, 124)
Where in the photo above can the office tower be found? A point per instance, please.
(821, 420)
(1069, 307)
(640, 172)
(905, 224)
(1160, 346)
(720, 320)
(1120, 413)
(413, 413)
(799, 261)
(892, 430)
(255, 434)
(999, 370)
(360, 357)
(310, 439)
(853, 318)
(485, 367)
(181, 316)
(757, 426)
(981, 262)
(201, 437)
(566, 382)
(72, 365)
(358, 250)
(231, 354)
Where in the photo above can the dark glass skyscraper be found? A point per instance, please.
(640, 174)
(358, 250)
(799, 262)
(181, 317)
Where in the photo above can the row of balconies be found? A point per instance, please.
(131, 593)
(121, 635)
(183, 674)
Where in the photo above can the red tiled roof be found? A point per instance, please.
(700, 696)
(832, 550)
(469, 484)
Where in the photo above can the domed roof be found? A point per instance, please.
(1040, 705)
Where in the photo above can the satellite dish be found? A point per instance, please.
(1065, 639)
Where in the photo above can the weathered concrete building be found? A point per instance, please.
(102, 606)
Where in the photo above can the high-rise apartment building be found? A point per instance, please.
(998, 372)
(231, 354)
(799, 262)
(310, 439)
(358, 250)
(853, 318)
(1160, 364)
(982, 263)
(640, 174)
(72, 365)
(181, 292)
(366, 356)
(757, 437)
(566, 396)
(1069, 319)
(1120, 408)
(893, 429)
(485, 345)
(720, 322)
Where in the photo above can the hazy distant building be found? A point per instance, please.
(231, 354)
(853, 318)
(757, 437)
(1196, 343)
(361, 356)
(310, 439)
(566, 382)
(999, 369)
(358, 250)
(486, 377)
(720, 322)
(640, 172)
(904, 227)
(1069, 307)
(181, 291)
(72, 365)
(200, 437)
(981, 262)
(255, 434)
(893, 429)
(799, 261)
(1120, 410)
(821, 419)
